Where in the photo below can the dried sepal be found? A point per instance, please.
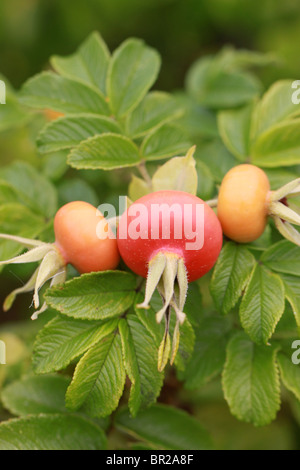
(167, 274)
(52, 266)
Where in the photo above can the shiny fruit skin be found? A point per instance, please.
(138, 253)
(75, 226)
(243, 203)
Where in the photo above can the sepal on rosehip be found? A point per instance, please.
(83, 238)
(283, 212)
(52, 266)
(245, 202)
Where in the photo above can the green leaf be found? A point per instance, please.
(234, 128)
(292, 293)
(206, 184)
(251, 381)
(166, 428)
(216, 157)
(34, 395)
(99, 379)
(78, 188)
(193, 305)
(67, 132)
(140, 356)
(16, 219)
(279, 146)
(89, 64)
(275, 106)
(279, 177)
(51, 432)
(63, 340)
(215, 87)
(106, 152)
(156, 330)
(177, 174)
(230, 275)
(244, 58)
(94, 296)
(54, 165)
(147, 318)
(166, 141)
(197, 121)
(283, 257)
(8, 194)
(49, 90)
(208, 357)
(290, 374)
(132, 71)
(262, 305)
(34, 190)
(186, 344)
(156, 109)
(137, 188)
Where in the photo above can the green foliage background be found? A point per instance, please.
(182, 31)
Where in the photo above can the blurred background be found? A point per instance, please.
(182, 31)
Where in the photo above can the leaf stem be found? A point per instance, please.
(144, 173)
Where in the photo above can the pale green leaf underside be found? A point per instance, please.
(33, 189)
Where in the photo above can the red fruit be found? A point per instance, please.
(138, 253)
(171, 238)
